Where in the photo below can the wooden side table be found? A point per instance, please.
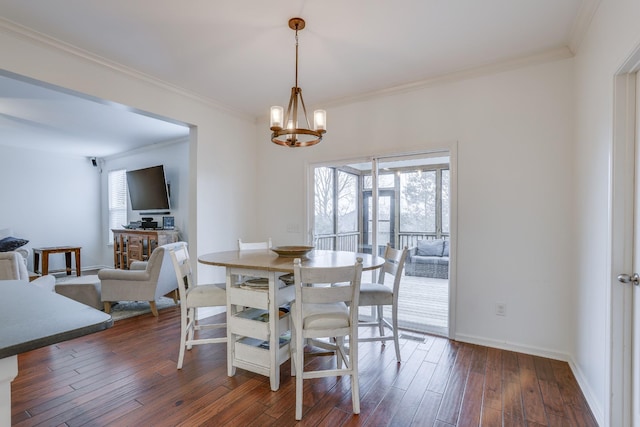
(67, 250)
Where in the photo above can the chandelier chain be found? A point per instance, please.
(296, 55)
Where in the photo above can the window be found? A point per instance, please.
(324, 191)
(335, 209)
(418, 201)
(117, 183)
(446, 206)
(424, 201)
(347, 202)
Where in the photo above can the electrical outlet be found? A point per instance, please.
(501, 309)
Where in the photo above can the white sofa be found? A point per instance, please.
(13, 267)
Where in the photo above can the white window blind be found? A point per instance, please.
(117, 200)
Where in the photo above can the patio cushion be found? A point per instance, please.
(430, 247)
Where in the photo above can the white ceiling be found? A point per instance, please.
(240, 53)
(41, 118)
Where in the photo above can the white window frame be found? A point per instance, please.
(118, 200)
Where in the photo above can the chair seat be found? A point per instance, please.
(324, 316)
(207, 295)
(375, 294)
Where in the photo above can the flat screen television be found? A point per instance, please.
(148, 189)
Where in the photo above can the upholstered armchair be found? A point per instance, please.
(145, 281)
(14, 267)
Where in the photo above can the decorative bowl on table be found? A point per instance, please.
(292, 251)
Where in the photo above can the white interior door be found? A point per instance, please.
(635, 358)
(622, 401)
(630, 305)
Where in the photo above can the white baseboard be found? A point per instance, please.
(596, 409)
(83, 269)
(94, 267)
(511, 346)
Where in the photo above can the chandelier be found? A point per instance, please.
(295, 134)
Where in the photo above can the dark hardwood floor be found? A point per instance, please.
(127, 376)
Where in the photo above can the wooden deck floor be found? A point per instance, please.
(423, 304)
(127, 376)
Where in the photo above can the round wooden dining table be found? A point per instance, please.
(267, 260)
(262, 346)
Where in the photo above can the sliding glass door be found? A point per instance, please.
(385, 223)
(401, 201)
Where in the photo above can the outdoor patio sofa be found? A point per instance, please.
(429, 258)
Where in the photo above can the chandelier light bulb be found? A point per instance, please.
(277, 116)
(320, 119)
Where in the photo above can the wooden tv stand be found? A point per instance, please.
(137, 245)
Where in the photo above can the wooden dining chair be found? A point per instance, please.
(192, 297)
(323, 311)
(380, 295)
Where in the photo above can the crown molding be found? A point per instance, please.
(581, 24)
(145, 148)
(520, 62)
(30, 35)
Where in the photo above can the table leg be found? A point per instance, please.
(77, 255)
(36, 262)
(274, 332)
(67, 260)
(45, 263)
(231, 338)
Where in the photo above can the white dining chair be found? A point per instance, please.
(250, 246)
(323, 311)
(380, 295)
(287, 279)
(192, 297)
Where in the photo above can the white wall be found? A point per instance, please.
(613, 34)
(222, 158)
(175, 159)
(514, 132)
(51, 200)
